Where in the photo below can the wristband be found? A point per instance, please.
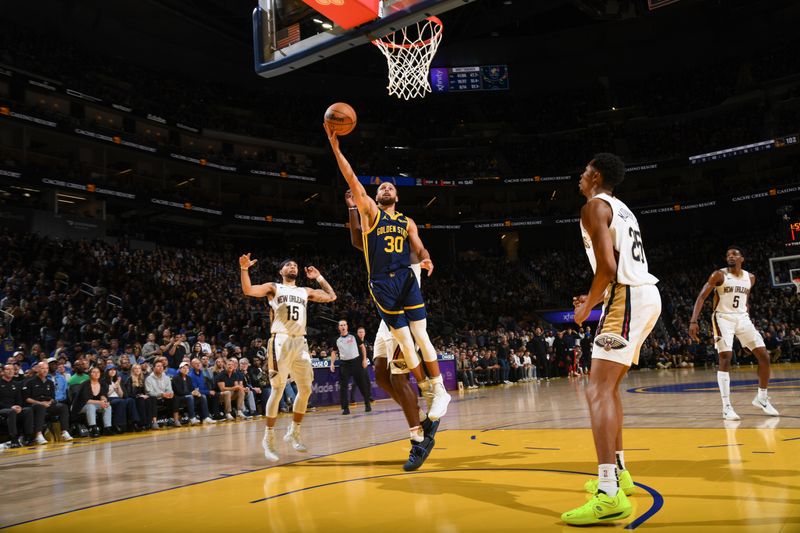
(243, 269)
(320, 279)
(354, 208)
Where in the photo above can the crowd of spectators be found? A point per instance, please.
(146, 338)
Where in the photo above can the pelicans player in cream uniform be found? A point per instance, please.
(287, 351)
(631, 307)
(732, 286)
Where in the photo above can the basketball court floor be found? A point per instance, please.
(507, 459)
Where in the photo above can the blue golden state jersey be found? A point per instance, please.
(385, 246)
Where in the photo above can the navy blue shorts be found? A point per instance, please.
(398, 298)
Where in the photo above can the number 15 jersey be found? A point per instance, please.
(627, 240)
(289, 310)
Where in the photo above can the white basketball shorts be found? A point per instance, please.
(629, 315)
(726, 325)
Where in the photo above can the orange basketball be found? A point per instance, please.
(341, 118)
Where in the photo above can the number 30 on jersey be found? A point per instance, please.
(394, 244)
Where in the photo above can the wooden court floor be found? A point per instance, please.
(507, 458)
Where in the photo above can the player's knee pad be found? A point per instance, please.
(406, 342)
(419, 328)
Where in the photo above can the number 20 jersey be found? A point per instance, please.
(289, 310)
(627, 239)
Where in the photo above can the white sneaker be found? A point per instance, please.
(194, 421)
(765, 406)
(228, 416)
(441, 399)
(65, 436)
(729, 414)
(293, 436)
(40, 439)
(209, 420)
(268, 443)
(241, 414)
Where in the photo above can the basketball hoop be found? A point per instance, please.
(409, 53)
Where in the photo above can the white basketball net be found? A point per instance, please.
(409, 53)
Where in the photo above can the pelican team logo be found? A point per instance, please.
(330, 2)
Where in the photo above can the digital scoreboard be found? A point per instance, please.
(793, 234)
(480, 78)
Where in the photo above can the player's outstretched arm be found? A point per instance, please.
(714, 280)
(355, 221)
(596, 217)
(257, 291)
(418, 248)
(324, 294)
(366, 205)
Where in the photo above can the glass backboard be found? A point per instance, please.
(289, 34)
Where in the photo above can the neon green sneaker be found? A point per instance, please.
(625, 483)
(601, 508)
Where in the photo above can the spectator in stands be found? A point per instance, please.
(529, 369)
(200, 383)
(259, 373)
(11, 406)
(146, 405)
(151, 347)
(190, 396)
(91, 398)
(205, 348)
(465, 373)
(79, 366)
(39, 393)
(124, 414)
(230, 389)
(159, 386)
(252, 391)
(773, 346)
(61, 380)
(256, 349)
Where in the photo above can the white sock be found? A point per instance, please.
(620, 460)
(268, 429)
(294, 425)
(416, 434)
(724, 380)
(422, 415)
(762, 394)
(607, 479)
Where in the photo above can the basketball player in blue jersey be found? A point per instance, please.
(631, 307)
(389, 238)
(391, 370)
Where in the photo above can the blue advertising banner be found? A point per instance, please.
(568, 317)
(325, 390)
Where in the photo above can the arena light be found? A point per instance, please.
(62, 195)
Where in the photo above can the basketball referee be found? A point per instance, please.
(353, 361)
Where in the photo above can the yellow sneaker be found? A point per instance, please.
(601, 508)
(625, 483)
